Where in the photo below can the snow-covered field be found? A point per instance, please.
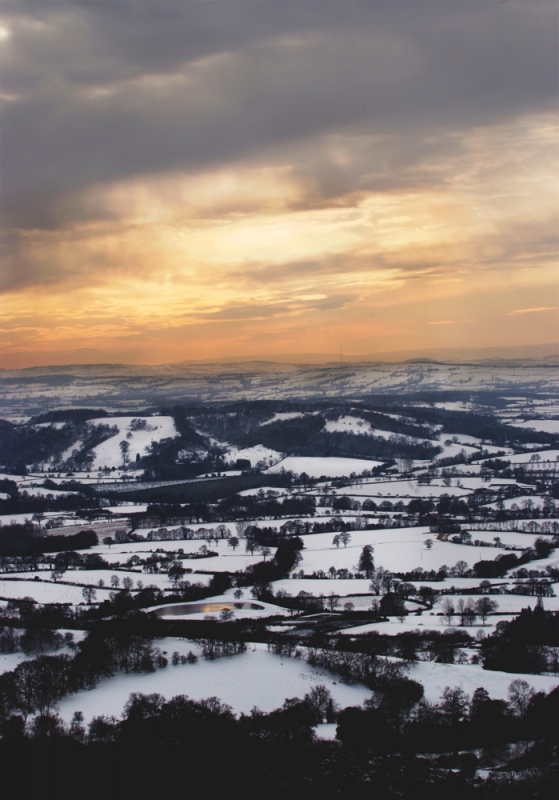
(547, 425)
(255, 678)
(388, 490)
(513, 603)
(9, 661)
(274, 491)
(257, 455)
(545, 455)
(506, 537)
(342, 586)
(435, 677)
(428, 621)
(45, 592)
(109, 454)
(281, 417)
(91, 577)
(329, 467)
(355, 425)
(259, 678)
(228, 559)
(534, 501)
(39, 491)
(127, 508)
(396, 549)
(453, 449)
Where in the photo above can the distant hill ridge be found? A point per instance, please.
(545, 354)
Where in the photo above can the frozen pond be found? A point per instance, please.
(181, 609)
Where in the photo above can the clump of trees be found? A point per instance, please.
(26, 539)
(528, 643)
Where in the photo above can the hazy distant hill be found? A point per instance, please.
(538, 352)
(127, 386)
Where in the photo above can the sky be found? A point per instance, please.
(192, 180)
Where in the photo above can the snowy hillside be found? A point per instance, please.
(138, 437)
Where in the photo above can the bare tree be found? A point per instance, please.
(333, 601)
(484, 607)
(125, 451)
(89, 594)
(455, 703)
(345, 538)
(520, 693)
(319, 699)
(241, 527)
(448, 609)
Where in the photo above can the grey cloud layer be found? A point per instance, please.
(108, 90)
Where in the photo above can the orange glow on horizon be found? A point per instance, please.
(248, 261)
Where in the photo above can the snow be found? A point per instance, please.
(255, 678)
(463, 438)
(467, 469)
(225, 473)
(318, 586)
(7, 519)
(326, 731)
(452, 450)
(258, 453)
(506, 537)
(108, 453)
(127, 508)
(274, 490)
(435, 677)
(396, 549)
(350, 424)
(546, 425)
(9, 661)
(282, 417)
(259, 677)
(453, 405)
(91, 577)
(428, 621)
(329, 467)
(545, 455)
(471, 444)
(458, 583)
(45, 592)
(391, 490)
(39, 491)
(228, 560)
(513, 603)
(509, 502)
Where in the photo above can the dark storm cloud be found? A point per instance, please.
(109, 90)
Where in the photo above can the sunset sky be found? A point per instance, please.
(192, 180)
